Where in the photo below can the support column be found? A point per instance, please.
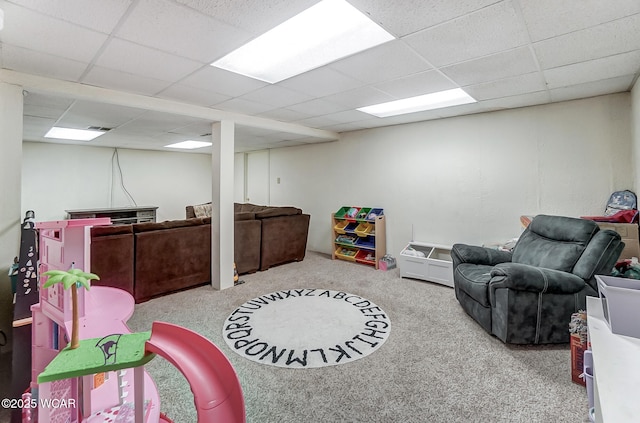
(11, 103)
(222, 225)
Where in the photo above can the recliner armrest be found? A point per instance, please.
(463, 253)
(523, 277)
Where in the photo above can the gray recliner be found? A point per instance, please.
(527, 296)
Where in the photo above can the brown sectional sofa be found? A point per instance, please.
(282, 238)
(153, 259)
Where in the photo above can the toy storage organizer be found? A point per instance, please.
(430, 262)
(359, 234)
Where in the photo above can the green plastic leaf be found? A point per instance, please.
(68, 280)
(53, 280)
(92, 276)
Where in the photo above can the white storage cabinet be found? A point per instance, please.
(429, 262)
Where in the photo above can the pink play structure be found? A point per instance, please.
(216, 389)
(113, 392)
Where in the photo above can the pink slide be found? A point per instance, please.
(216, 389)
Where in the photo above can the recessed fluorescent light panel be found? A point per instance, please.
(189, 145)
(420, 103)
(73, 134)
(327, 31)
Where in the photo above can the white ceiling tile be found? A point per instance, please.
(36, 127)
(465, 109)
(417, 84)
(387, 61)
(34, 31)
(347, 116)
(155, 23)
(495, 66)
(98, 15)
(522, 100)
(44, 106)
(192, 95)
(284, 115)
(256, 16)
(198, 130)
(155, 123)
(489, 30)
(276, 96)
(37, 63)
(83, 114)
(221, 81)
(321, 82)
(317, 121)
(593, 70)
(117, 80)
(408, 16)
(344, 127)
(359, 97)
(241, 105)
(604, 40)
(591, 89)
(139, 60)
(514, 85)
(316, 107)
(571, 15)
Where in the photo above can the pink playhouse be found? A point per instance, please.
(104, 380)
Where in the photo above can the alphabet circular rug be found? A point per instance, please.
(306, 328)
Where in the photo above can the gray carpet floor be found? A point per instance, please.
(438, 365)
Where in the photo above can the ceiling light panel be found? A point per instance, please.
(73, 134)
(189, 145)
(420, 103)
(327, 31)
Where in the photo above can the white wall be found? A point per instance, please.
(635, 130)
(464, 179)
(238, 177)
(58, 177)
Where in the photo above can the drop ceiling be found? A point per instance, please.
(506, 54)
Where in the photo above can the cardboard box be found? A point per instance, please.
(577, 359)
(629, 234)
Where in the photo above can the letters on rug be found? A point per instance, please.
(306, 328)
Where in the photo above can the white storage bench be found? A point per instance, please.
(429, 262)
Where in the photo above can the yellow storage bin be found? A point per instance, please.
(364, 229)
(339, 227)
(346, 254)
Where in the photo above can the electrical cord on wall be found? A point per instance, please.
(115, 157)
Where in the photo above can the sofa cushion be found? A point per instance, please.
(156, 226)
(277, 211)
(109, 230)
(246, 207)
(244, 216)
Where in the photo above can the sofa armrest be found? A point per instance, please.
(522, 277)
(463, 253)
